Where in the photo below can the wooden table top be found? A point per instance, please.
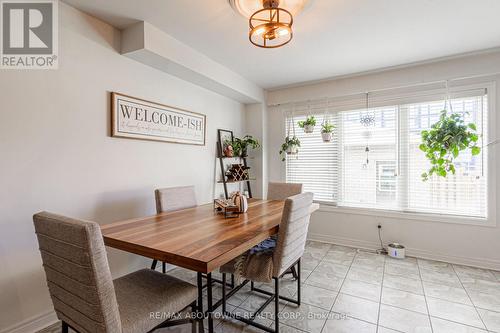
(196, 238)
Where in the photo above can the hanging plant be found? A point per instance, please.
(289, 147)
(308, 124)
(445, 140)
(327, 131)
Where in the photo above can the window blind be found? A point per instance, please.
(379, 164)
(317, 164)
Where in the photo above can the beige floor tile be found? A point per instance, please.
(320, 297)
(447, 293)
(348, 325)
(401, 270)
(473, 272)
(332, 268)
(403, 320)
(491, 319)
(361, 289)
(456, 312)
(485, 301)
(404, 299)
(445, 326)
(306, 318)
(403, 283)
(324, 280)
(441, 277)
(356, 307)
(373, 276)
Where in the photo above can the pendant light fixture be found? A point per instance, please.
(271, 26)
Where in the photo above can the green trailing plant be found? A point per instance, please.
(327, 127)
(310, 121)
(290, 146)
(445, 140)
(241, 145)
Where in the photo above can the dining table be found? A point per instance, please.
(199, 238)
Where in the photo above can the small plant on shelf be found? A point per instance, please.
(445, 140)
(308, 124)
(240, 146)
(327, 131)
(289, 147)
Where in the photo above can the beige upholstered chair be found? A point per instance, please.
(281, 191)
(172, 199)
(271, 264)
(84, 295)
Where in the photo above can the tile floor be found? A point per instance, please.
(345, 290)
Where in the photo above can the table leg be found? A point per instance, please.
(200, 301)
(209, 304)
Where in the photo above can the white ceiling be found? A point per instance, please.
(331, 37)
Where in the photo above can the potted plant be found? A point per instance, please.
(327, 131)
(308, 124)
(241, 145)
(289, 147)
(445, 140)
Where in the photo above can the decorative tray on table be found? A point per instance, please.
(226, 207)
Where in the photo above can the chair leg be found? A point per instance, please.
(153, 264)
(294, 272)
(65, 327)
(276, 304)
(298, 282)
(163, 267)
(223, 293)
(194, 322)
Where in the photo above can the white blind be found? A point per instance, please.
(379, 164)
(317, 164)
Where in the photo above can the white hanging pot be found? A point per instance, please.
(292, 150)
(308, 128)
(327, 137)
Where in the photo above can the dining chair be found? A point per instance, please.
(172, 199)
(87, 299)
(271, 264)
(281, 191)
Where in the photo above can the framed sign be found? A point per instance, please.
(139, 119)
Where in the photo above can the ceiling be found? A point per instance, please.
(331, 37)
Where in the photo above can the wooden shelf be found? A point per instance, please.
(235, 181)
(223, 157)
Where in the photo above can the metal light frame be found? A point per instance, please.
(263, 30)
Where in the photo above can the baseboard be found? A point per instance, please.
(419, 253)
(33, 324)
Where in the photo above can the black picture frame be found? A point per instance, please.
(222, 135)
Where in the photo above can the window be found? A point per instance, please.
(380, 165)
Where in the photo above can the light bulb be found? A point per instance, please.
(259, 31)
(283, 32)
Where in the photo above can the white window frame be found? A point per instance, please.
(489, 221)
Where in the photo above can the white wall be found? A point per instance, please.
(475, 245)
(56, 153)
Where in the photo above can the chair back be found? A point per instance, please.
(175, 198)
(281, 191)
(77, 271)
(292, 233)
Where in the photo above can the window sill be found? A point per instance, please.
(408, 215)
